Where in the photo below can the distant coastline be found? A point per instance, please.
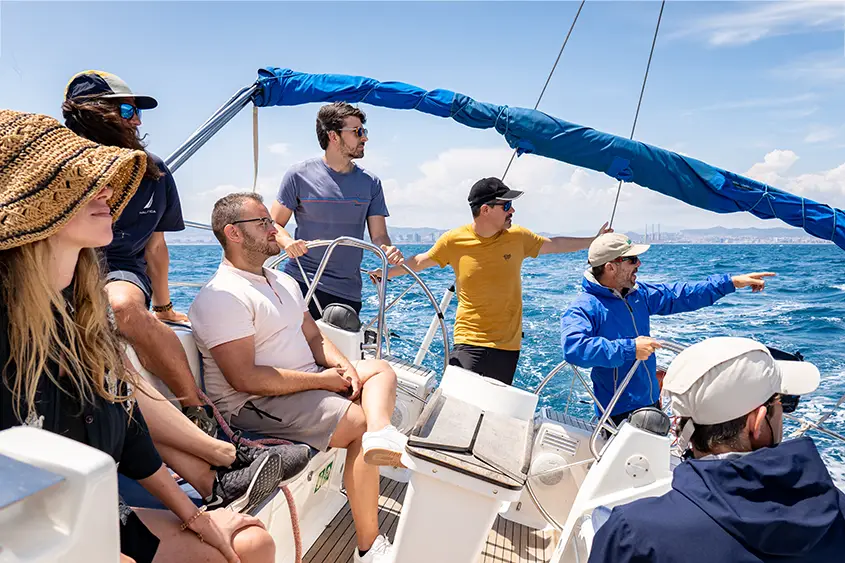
(714, 235)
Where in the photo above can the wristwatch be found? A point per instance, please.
(203, 418)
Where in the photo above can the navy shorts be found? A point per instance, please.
(139, 280)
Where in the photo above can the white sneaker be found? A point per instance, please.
(380, 552)
(384, 447)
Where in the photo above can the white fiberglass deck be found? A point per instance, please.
(506, 543)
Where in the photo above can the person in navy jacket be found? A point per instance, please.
(745, 497)
(607, 326)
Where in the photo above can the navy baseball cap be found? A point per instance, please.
(487, 190)
(96, 84)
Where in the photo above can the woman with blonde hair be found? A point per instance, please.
(61, 363)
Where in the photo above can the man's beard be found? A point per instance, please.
(356, 151)
(265, 248)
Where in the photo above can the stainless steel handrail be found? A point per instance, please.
(382, 286)
(606, 414)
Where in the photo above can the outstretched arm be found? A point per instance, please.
(668, 299)
(559, 245)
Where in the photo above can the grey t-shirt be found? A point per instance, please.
(327, 205)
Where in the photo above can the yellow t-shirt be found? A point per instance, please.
(489, 284)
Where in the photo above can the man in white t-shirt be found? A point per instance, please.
(269, 369)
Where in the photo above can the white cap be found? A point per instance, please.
(723, 378)
(610, 246)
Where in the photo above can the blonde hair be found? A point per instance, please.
(42, 329)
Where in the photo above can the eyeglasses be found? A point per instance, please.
(128, 111)
(359, 131)
(631, 259)
(266, 222)
(788, 402)
(506, 205)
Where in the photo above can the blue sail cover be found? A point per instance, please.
(532, 131)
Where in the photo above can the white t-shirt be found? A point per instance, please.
(235, 304)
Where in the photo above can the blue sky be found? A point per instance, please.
(753, 87)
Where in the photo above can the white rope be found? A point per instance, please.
(639, 103)
(254, 147)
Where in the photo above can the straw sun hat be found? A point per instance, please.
(48, 174)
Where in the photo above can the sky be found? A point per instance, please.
(752, 87)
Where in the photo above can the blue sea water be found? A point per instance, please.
(802, 309)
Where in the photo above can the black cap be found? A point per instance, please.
(490, 189)
(92, 84)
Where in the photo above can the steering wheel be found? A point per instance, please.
(381, 287)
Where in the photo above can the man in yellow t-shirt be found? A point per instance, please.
(487, 256)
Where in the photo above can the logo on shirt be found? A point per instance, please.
(507, 256)
(147, 209)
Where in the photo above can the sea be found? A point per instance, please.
(802, 309)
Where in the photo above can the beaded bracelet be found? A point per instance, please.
(163, 308)
(193, 518)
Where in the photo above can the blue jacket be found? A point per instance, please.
(772, 505)
(599, 328)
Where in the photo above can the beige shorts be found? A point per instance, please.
(308, 416)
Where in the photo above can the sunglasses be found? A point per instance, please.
(788, 402)
(264, 221)
(506, 205)
(631, 259)
(128, 111)
(359, 131)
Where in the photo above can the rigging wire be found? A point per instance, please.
(639, 103)
(549, 79)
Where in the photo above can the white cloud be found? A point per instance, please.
(826, 67)
(281, 149)
(827, 186)
(773, 102)
(821, 134)
(774, 166)
(559, 198)
(770, 19)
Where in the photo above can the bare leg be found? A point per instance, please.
(360, 478)
(194, 470)
(169, 427)
(157, 346)
(378, 392)
(253, 545)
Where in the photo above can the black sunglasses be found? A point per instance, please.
(506, 205)
(788, 402)
(265, 221)
(631, 259)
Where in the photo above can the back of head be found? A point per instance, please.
(331, 118)
(715, 384)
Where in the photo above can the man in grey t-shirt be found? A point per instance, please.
(331, 197)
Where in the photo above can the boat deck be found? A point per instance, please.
(507, 542)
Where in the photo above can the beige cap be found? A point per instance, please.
(723, 378)
(610, 246)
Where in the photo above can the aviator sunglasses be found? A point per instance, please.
(128, 111)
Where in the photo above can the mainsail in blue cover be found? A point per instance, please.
(532, 131)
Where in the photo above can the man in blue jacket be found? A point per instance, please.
(745, 497)
(607, 326)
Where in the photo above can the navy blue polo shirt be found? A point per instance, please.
(155, 207)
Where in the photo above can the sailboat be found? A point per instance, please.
(490, 476)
